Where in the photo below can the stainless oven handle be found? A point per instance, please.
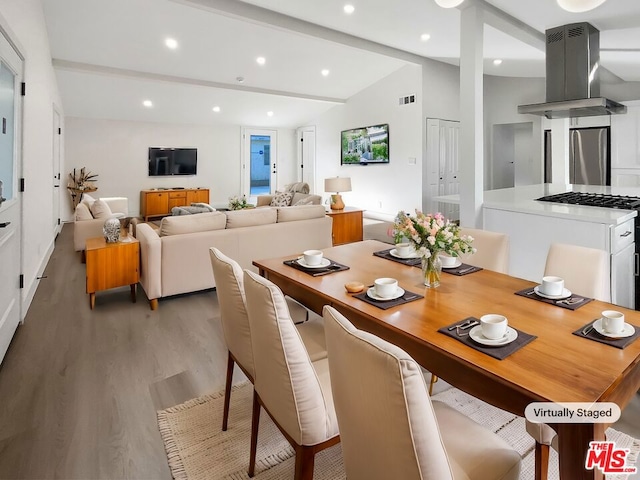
(636, 270)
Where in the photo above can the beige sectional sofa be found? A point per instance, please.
(175, 257)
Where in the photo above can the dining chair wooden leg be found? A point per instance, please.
(227, 391)
(542, 461)
(255, 421)
(434, 379)
(305, 461)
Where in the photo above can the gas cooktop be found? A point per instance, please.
(594, 200)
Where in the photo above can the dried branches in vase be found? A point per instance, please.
(82, 180)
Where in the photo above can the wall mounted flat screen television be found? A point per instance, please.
(362, 146)
(172, 161)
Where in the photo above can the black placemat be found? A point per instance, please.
(614, 342)
(566, 303)
(386, 304)
(463, 269)
(413, 262)
(317, 272)
(496, 352)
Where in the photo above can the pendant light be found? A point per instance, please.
(577, 6)
(449, 3)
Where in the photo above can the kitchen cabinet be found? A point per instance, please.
(530, 236)
(158, 203)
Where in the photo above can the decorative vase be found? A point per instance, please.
(111, 230)
(431, 270)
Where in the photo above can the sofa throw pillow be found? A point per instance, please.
(83, 212)
(87, 200)
(206, 206)
(300, 187)
(304, 201)
(282, 199)
(100, 209)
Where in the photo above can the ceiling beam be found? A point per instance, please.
(263, 16)
(135, 74)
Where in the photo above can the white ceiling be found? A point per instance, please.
(110, 55)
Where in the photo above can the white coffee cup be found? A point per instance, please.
(447, 260)
(612, 321)
(312, 257)
(552, 285)
(385, 287)
(404, 249)
(493, 326)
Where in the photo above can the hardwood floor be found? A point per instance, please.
(79, 388)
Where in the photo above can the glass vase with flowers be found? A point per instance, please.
(431, 234)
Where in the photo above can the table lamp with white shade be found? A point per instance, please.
(337, 184)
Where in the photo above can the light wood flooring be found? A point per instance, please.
(79, 388)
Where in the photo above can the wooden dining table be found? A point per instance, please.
(555, 367)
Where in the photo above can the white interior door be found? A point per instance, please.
(259, 162)
(307, 156)
(441, 175)
(11, 203)
(57, 133)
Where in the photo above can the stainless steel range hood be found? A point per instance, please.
(573, 75)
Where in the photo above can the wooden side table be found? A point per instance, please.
(347, 225)
(111, 265)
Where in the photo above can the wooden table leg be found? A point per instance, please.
(133, 292)
(92, 300)
(573, 444)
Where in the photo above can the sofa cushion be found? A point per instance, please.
(87, 200)
(251, 217)
(83, 212)
(100, 209)
(282, 199)
(192, 223)
(302, 212)
(304, 199)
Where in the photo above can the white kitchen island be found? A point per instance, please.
(533, 226)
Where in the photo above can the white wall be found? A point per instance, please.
(382, 189)
(25, 19)
(502, 95)
(118, 151)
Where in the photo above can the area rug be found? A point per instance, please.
(197, 449)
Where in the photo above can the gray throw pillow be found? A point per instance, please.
(282, 199)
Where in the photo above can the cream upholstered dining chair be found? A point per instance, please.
(492, 249)
(585, 272)
(294, 390)
(235, 324)
(390, 428)
(492, 253)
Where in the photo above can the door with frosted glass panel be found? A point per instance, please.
(11, 201)
(259, 162)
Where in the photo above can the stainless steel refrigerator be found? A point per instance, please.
(589, 156)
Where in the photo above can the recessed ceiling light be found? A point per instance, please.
(216, 109)
(269, 113)
(147, 103)
(240, 79)
(261, 60)
(324, 72)
(172, 43)
(425, 37)
(349, 9)
(497, 61)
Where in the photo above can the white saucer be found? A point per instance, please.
(394, 253)
(565, 294)
(455, 265)
(323, 263)
(372, 293)
(626, 332)
(476, 334)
